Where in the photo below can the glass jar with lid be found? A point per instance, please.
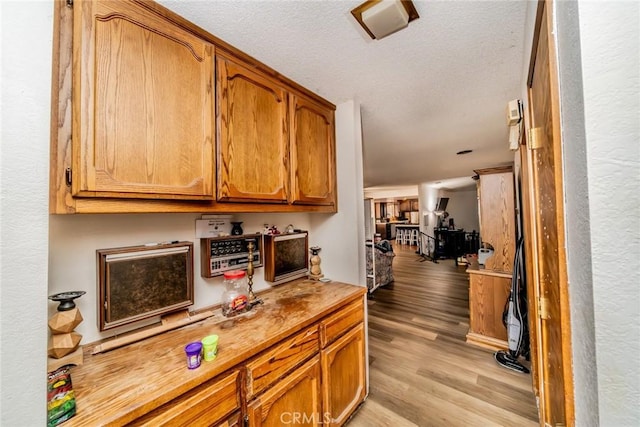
(235, 296)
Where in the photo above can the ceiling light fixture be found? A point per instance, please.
(379, 18)
(459, 153)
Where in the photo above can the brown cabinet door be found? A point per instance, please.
(343, 376)
(295, 400)
(143, 105)
(497, 218)
(253, 140)
(313, 174)
(487, 298)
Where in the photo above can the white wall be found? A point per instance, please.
(463, 208)
(24, 165)
(610, 49)
(577, 212)
(428, 199)
(341, 236)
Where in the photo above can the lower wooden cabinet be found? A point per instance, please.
(205, 405)
(326, 389)
(343, 376)
(299, 360)
(488, 292)
(294, 400)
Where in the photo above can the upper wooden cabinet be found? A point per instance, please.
(143, 105)
(496, 200)
(253, 135)
(151, 113)
(313, 174)
(409, 205)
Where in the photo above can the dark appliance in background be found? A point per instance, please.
(383, 211)
(441, 213)
(441, 206)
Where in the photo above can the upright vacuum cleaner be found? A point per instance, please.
(514, 318)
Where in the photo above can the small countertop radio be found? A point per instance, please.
(220, 254)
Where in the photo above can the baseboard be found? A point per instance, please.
(486, 342)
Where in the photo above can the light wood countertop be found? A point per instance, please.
(116, 387)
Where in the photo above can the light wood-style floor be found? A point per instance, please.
(422, 372)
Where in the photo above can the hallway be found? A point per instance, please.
(422, 373)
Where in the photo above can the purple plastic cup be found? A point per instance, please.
(194, 354)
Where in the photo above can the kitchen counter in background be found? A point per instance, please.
(387, 230)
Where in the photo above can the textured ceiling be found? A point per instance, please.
(437, 87)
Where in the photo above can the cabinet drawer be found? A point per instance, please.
(341, 321)
(280, 360)
(205, 405)
(234, 420)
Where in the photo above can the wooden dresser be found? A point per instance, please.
(489, 286)
(301, 353)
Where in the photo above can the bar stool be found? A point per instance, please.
(399, 235)
(406, 236)
(413, 237)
